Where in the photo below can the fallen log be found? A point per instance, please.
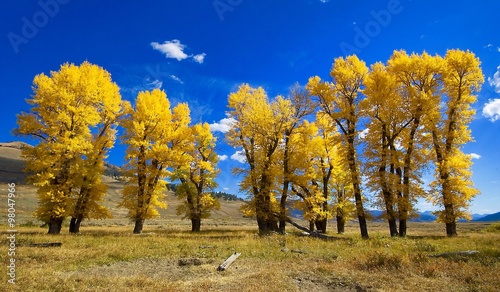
(228, 262)
(306, 230)
(46, 244)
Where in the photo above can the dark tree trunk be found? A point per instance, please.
(266, 226)
(139, 224)
(340, 224)
(393, 227)
(55, 225)
(363, 227)
(311, 226)
(451, 229)
(321, 225)
(195, 224)
(74, 225)
(282, 226)
(402, 227)
(353, 167)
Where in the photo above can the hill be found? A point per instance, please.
(11, 171)
(11, 164)
(489, 218)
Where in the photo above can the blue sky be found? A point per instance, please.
(200, 51)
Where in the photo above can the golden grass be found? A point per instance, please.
(111, 258)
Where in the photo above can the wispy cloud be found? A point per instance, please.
(222, 126)
(174, 49)
(491, 109)
(239, 156)
(175, 78)
(495, 80)
(475, 156)
(155, 84)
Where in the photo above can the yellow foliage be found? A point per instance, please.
(157, 138)
(68, 108)
(197, 175)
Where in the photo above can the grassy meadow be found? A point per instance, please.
(106, 256)
(167, 257)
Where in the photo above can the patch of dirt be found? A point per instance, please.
(190, 271)
(311, 283)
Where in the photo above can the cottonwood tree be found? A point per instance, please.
(156, 138)
(65, 107)
(308, 175)
(258, 131)
(340, 99)
(334, 172)
(302, 106)
(462, 78)
(92, 189)
(418, 79)
(197, 177)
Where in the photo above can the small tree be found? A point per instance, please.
(157, 139)
(462, 78)
(340, 100)
(197, 177)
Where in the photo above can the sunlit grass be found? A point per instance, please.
(112, 258)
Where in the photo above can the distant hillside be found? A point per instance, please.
(428, 216)
(490, 218)
(11, 170)
(11, 164)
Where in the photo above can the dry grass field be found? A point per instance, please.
(167, 257)
(106, 256)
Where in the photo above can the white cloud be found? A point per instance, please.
(150, 85)
(199, 58)
(223, 125)
(363, 133)
(225, 189)
(172, 49)
(475, 156)
(222, 157)
(488, 46)
(495, 81)
(175, 78)
(491, 109)
(323, 1)
(239, 156)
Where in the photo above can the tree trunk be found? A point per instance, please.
(451, 229)
(340, 224)
(74, 225)
(402, 227)
(450, 218)
(195, 224)
(55, 225)
(311, 226)
(353, 167)
(266, 226)
(393, 227)
(139, 224)
(321, 225)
